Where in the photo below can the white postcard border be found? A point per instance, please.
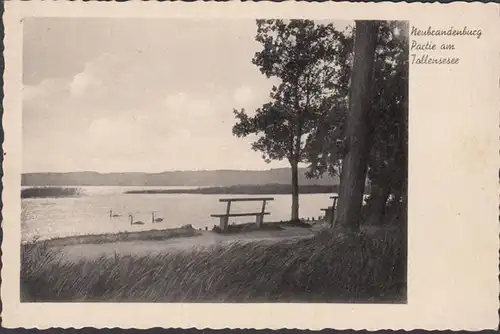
(453, 237)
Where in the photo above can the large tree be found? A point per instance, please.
(324, 148)
(354, 164)
(388, 121)
(305, 59)
(387, 126)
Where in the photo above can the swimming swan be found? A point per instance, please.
(111, 215)
(132, 222)
(155, 220)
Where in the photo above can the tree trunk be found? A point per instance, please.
(353, 178)
(404, 238)
(295, 191)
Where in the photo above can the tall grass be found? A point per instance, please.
(359, 267)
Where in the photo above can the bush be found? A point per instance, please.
(359, 267)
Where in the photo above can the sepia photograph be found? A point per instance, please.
(250, 165)
(183, 160)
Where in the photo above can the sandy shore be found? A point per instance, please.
(206, 239)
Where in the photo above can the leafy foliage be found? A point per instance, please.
(305, 119)
(387, 158)
(388, 161)
(306, 58)
(325, 148)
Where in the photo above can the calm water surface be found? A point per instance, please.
(46, 218)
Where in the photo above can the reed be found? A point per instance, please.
(362, 267)
(54, 192)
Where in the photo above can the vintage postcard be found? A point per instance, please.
(251, 165)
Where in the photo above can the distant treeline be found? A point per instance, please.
(210, 178)
(44, 192)
(268, 189)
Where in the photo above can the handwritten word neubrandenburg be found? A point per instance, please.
(446, 32)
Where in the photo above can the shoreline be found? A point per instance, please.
(105, 238)
(183, 232)
(75, 249)
(263, 189)
(169, 241)
(205, 241)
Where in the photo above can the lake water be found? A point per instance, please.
(46, 218)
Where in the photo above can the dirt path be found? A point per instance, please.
(74, 253)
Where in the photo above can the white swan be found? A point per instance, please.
(155, 220)
(111, 215)
(132, 222)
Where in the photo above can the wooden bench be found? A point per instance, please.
(330, 211)
(259, 216)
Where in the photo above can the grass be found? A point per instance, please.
(49, 192)
(150, 235)
(248, 227)
(361, 267)
(297, 223)
(267, 226)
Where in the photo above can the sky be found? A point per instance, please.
(139, 95)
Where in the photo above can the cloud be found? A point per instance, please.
(175, 101)
(161, 105)
(47, 88)
(105, 127)
(81, 82)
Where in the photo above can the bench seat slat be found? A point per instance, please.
(246, 199)
(240, 214)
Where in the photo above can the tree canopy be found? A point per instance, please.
(305, 118)
(387, 154)
(307, 60)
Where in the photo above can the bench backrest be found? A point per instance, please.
(249, 199)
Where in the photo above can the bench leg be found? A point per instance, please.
(223, 223)
(259, 219)
(327, 216)
(331, 217)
